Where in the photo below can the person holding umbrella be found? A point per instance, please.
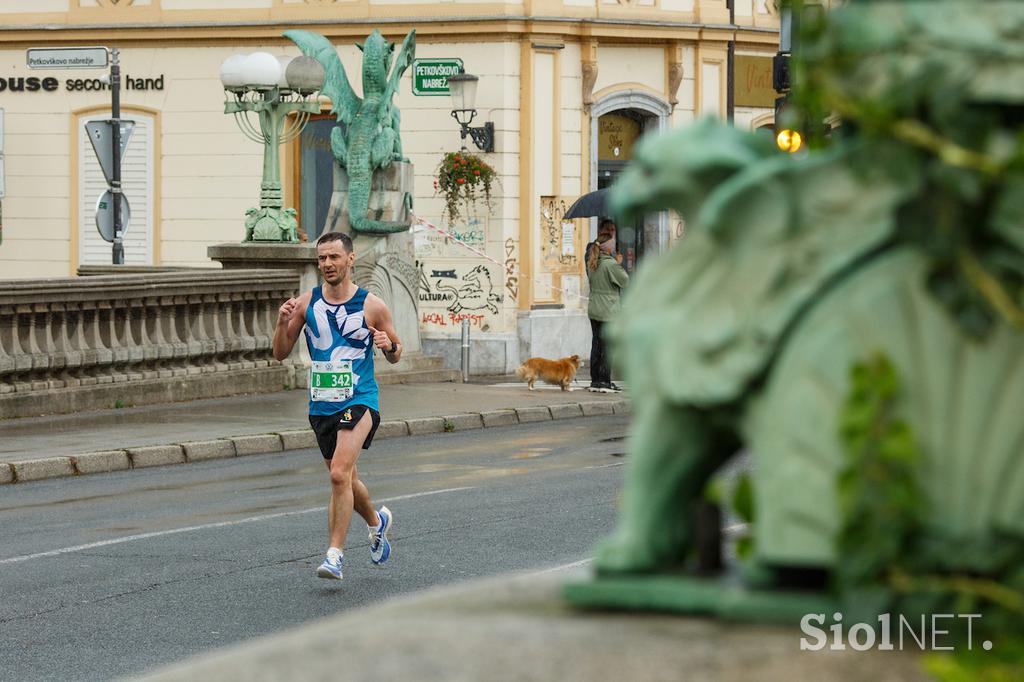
(607, 279)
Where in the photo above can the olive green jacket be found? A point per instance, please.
(606, 283)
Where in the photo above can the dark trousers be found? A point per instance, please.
(600, 371)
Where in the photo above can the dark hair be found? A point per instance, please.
(604, 223)
(345, 240)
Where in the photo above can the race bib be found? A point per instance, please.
(330, 381)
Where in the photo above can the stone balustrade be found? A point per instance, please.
(93, 342)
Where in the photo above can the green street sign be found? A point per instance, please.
(430, 76)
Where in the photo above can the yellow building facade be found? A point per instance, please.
(568, 84)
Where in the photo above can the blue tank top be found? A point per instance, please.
(339, 332)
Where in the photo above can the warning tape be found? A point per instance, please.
(507, 268)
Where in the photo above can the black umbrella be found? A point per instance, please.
(589, 205)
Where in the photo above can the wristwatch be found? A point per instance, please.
(393, 349)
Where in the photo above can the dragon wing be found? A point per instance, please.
(405, 58)
(344, 101)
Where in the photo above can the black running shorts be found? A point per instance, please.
(326, 427)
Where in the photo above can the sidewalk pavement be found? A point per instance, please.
(130, 438)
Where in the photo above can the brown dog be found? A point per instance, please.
(558, 372)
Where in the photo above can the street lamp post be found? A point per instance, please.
(274, 88)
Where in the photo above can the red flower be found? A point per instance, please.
(476, 172)
(460, 180)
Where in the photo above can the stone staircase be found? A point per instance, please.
(415, 368)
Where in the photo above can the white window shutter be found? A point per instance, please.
(137, 183)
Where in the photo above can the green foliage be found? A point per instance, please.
(743, 505)
(118, 404)
(448, 426)
(892, 561)
(462, 179)
(879, 500)
(940, 84)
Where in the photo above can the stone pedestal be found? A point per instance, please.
(300, 258)
(385, 264)
(391, 192)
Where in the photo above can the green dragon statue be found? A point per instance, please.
(902, 239)
(367, 138)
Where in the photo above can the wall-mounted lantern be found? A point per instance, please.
(463, 91)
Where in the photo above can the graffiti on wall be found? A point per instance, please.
(451, 291)
(557, 236)
(511, 269)
(431, 244)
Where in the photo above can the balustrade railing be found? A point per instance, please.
(87, 331)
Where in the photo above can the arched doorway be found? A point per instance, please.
(618, 121)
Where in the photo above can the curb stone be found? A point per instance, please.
(256, 445)
(156, 455)
(533, 414)
(37, 469)
(597, 408)
(298, 440)
(199, 450)
(465, 422)
(418, 427)
(566, 411)
(499, 418)
(102, 462)
(392, 429)
(222, 448)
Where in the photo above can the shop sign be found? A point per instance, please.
(752, 82)
(430, 76)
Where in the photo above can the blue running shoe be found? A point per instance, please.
(380, 548)
(330, 569)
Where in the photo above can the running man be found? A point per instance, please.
(342, 320)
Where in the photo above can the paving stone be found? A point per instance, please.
(297, 440)
(499, 418)
(597, 408)
(425, 425)
(533, 414)
(464, 422)
(38, 469)
(102, 462)
(156, 455)
(256, 445)
(623, 407)
(6, 473)
(392, 429)
(565, 411)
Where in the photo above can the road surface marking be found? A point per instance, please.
(187, 529)
(564, 567)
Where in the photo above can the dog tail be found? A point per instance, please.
(521, 371)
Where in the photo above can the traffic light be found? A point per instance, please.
(788, 137)
(780, 72)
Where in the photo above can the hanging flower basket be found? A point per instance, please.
(463, 179)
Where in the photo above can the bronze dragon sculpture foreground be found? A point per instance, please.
(853, 319)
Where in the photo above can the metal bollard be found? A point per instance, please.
(465, 350)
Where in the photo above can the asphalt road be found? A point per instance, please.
(113, 575)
